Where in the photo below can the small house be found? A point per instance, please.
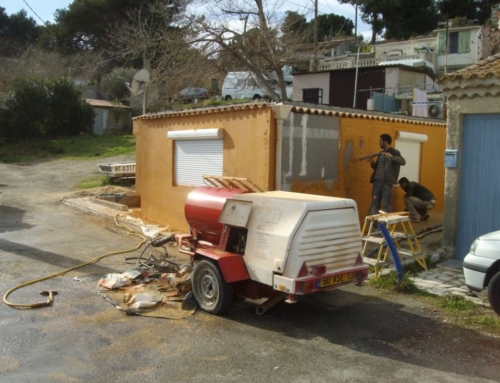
(295, 147)
(472, 203)
(383, 88)
(110, 117)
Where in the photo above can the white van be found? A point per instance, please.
(238, 85)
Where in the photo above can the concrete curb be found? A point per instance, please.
(89, 206)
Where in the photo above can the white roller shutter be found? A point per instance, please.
(410, 150)
(409, 144)
(196, 158)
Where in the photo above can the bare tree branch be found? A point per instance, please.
(199, 41)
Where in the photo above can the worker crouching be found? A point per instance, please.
(418, 199)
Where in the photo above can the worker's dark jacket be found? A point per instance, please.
(414, 189)
(392, 166)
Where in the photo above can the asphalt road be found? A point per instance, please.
(354, 334)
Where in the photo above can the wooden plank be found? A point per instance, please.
(232, 183)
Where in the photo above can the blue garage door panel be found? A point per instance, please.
(479, 199)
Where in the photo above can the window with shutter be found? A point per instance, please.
(197, 153)
(196, 158)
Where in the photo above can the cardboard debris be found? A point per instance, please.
(149, 292)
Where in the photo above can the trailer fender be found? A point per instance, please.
(231, 265)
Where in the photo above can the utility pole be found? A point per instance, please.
(440, 23)
(446, 48)
(315, 63)
(356, 21)
(354, 103)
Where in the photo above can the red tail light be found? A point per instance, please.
(303, 271)
(319, 269)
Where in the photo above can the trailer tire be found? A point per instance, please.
(210, 290)
(494, 293)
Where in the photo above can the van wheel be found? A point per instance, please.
(494, 293)
(256, 97)
(210, 290)
(227, 98)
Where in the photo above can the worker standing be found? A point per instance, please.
(418, 199)
(385, 174)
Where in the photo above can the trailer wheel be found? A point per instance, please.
(227, 98)
(494, 293)
(212, 293)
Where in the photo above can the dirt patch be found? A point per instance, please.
(100, 191)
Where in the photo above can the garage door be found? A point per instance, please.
(479, 197)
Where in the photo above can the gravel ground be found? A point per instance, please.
(51, 179)
(349, 335)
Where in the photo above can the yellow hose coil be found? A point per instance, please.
(62, 272)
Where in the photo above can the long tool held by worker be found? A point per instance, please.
(369, 156)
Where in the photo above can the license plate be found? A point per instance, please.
(125, 168)
(335, 280)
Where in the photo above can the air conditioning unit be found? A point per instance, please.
(436, 111)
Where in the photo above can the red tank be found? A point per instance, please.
(202, 211)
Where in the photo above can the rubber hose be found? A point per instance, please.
(62, 272)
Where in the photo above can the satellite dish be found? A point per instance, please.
(139, 85)
(139, 82)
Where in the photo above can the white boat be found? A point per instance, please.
(119, 170)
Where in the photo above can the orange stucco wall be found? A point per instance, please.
(249, 149)
(363, 135)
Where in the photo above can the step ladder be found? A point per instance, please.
(400, 229)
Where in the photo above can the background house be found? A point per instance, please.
(466, 45)
(111, 117)
(472, 203)
(390, 87)
(303, 55)
(408, 48)
(300, 148)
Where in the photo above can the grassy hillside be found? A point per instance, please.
(80, 148)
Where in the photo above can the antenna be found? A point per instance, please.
(139, 85)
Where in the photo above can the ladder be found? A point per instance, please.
(371, 235)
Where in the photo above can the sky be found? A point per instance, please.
(45, 10)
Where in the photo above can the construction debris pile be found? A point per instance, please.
(161, 291)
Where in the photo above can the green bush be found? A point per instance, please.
(68, 114)
(25, 109)
(36, 108)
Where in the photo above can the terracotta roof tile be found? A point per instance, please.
(328, 111)
(483, 69)
(106, 104)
